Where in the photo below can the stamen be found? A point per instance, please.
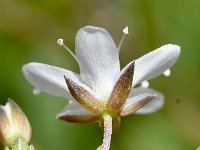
(145, 84)
(61, 43)
(107, 132)
(36, 91)
(167, 73)
(125, 31)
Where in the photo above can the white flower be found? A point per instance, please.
(102, 87)
(13, 124)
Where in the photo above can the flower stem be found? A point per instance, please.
(107, 132)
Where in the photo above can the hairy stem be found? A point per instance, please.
(107, 132)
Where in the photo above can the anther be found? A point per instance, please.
(167, 73)
(60, 42)
(36, 91)
(125, 30)
(145, 84)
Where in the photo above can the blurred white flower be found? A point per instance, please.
(13, 124)
(102, 89)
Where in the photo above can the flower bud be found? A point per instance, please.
(13, 124)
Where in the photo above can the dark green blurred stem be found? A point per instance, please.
(147, 10)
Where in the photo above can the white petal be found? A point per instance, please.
(140, 93)
(49, 79)
(98, 58)
(75, 113)
(73, 108)
(155, 63)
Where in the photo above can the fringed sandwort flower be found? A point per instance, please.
(103, 92)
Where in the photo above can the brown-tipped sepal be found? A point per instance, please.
(13, 124)
(122, 88)
(84, 97)
(79, 118)
(135, 106)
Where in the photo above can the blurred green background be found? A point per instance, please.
(29, 30)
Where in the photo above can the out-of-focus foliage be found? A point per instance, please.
(28, 32)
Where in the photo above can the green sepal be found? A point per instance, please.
(20, 144)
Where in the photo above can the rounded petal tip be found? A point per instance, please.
(172, 47)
